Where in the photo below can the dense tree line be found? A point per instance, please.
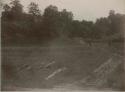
(33, 27)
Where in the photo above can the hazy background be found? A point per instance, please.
(82, 9)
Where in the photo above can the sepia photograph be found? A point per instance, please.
(62, 45)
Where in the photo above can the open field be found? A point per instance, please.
(54, 66)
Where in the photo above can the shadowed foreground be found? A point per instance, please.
(62, 66)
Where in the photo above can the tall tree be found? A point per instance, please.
(16, 10)
(6, 8)
(50, 18)
(17, 7)
(65, 21)
(34, 9)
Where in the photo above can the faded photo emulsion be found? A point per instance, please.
(62, 45)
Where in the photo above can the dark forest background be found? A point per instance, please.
(19, 27)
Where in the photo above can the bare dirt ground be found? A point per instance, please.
(54, 68)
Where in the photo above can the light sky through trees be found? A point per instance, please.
(82, 9)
